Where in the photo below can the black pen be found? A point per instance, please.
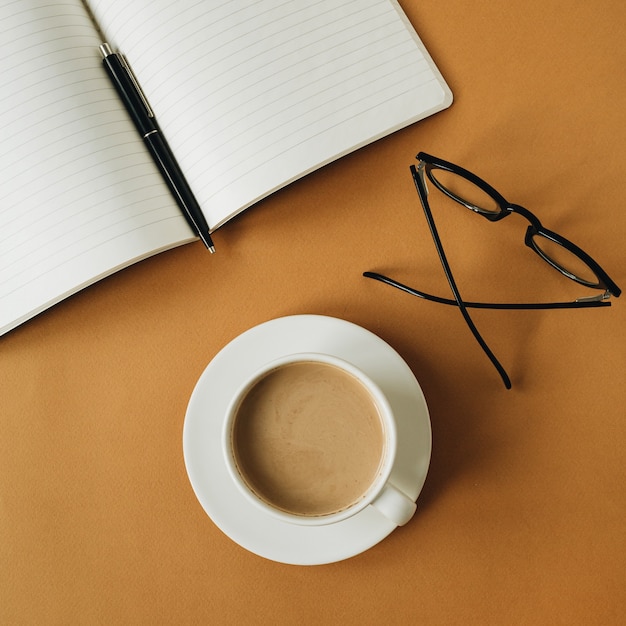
(142, 115)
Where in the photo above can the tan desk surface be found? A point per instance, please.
(522, 518)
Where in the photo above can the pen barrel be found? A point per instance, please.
(176, 182)
(132, 97)
(129, 95)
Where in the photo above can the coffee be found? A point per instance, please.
(308, 439)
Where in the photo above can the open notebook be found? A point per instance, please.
(250, 95)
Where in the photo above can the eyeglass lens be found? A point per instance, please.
(464, 191)
(561, 257)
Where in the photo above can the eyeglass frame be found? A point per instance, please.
(426, 163)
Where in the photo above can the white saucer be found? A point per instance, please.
(219, 496)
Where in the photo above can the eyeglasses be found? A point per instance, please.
(475, 194)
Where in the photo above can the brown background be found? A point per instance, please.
(521, 520)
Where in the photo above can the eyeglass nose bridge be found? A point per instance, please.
(536, 229)
(535, 224)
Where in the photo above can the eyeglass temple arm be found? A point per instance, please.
(582, 303)
(423, 193)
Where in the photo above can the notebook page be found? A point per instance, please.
(254, 94)
(79, 194)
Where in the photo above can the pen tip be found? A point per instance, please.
(207, 241)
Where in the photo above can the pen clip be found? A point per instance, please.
(135, 82)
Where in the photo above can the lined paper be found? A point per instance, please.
(80, 196)
(257, 93)
(251, 95)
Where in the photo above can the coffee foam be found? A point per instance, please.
(308, 439)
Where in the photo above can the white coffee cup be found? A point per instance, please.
(310, 439)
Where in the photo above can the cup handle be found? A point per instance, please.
(395, 505)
